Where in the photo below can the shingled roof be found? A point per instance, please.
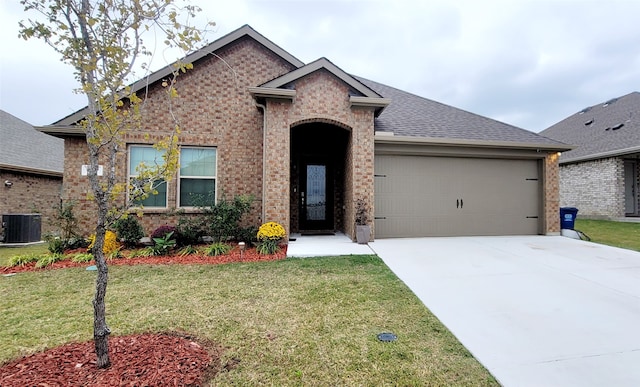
(608, 129)
(414, 116)
(24, 149)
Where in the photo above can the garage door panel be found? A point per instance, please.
(444, 196)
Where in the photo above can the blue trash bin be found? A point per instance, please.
(568, 217)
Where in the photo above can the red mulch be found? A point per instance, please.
(249, 255)
(136, 360)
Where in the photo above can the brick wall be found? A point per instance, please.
(31, 193)
(551, 188)
(214, 109)
(320, 97)
(595, 187)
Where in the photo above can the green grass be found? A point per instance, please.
(292, 322)
(618, 234)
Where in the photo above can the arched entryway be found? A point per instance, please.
(318, 164)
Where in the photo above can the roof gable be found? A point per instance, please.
(25, 149)
(211, 48)
(360, 94)
(607, 129)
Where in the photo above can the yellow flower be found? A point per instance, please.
(271, 231)
(110, 242)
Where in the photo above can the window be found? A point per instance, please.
(150, 157)
(197, 174)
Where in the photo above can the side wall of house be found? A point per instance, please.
(214, 109)
(29, 194)
(595, 187)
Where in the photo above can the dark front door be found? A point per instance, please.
(316, 196)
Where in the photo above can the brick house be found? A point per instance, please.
(601, 176)
(31, 165)
(308, 140)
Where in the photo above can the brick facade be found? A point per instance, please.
(214, 109)
(595, 187)
(29, 194)
(320, 97)
(551, 186)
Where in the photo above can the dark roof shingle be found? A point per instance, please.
(413, 116)
(610, 128)
(24, 148)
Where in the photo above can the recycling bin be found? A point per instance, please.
(568, 217)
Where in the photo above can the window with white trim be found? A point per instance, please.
(197, 175)
(148, 156)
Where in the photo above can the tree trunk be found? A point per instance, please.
(100, 329)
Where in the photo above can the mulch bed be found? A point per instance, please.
(235, 255)
(136, 360)
(172, 359)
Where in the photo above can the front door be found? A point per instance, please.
(316, 198)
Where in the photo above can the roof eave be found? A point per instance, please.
(273, 93)
(601, 155)
(35, 171)
(368, 102)
(61, 131)
(387, 138)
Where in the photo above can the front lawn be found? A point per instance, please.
(618, 234)
(292, 322)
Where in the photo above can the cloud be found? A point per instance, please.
(528, 63)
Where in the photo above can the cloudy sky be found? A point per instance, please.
(529, 63)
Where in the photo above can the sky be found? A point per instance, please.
(529, 63)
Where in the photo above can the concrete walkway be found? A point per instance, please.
(324, 245)
(536, 311)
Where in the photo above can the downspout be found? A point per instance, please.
(264, 157)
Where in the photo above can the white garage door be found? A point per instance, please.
(445, 196)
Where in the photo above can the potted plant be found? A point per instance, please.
(363, 229)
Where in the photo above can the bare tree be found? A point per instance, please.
(103, 41)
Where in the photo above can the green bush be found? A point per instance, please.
(268, 247)
(189, 230)
(222, 219)
(129, 230)
(21, 260)
(56, 245)
(248, 235)
(49, 259)
(162, 246)
(218, 248)
(82, 258)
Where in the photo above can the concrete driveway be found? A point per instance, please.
(535, 311)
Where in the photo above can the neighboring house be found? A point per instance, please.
(601, 176)
(308, 140)
(31, 165)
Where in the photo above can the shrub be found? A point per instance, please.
(48, 259)
(21, 260)
(221, 219)
(56, 245)
(110, 242)
(189, 230)
(247, 235)
(162, 231)
(269, 235)
(162, 246)
(218, 248)
(129, 230)
(187, 250)
(82, 257)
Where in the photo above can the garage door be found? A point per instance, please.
(445, 196)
